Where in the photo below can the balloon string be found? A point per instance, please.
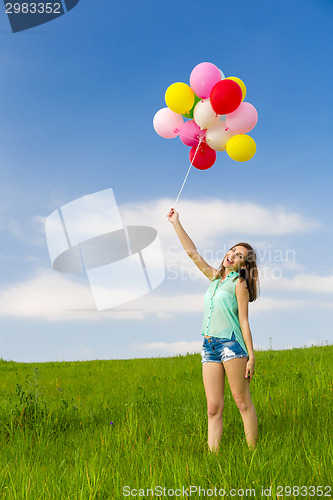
(181, 189)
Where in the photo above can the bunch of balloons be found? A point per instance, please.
(218, 119)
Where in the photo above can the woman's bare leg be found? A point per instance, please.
(214, 377)
(239, 386)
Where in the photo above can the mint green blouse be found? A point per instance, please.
(221, 310)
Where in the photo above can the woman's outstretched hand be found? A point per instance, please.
(173, 216)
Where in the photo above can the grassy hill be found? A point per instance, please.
(115, 429)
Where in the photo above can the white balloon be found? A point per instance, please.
(204, 115)
(218, 136)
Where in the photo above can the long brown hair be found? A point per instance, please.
(250, 273)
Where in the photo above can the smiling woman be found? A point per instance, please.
(227, 346)
(235, 259)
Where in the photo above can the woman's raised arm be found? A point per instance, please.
(190, 247)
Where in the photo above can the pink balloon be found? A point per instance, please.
(203, 78)
(243, 119)
(190, 133)
(167, 123)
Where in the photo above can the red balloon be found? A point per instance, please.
(202, 157)
(225, 97)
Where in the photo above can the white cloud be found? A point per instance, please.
(58, 297)
(210, 218)
(203, 217)
(300, 283)
(170, 349)
(265, 304)
(214, 225)
(292, 266)
(54, 297)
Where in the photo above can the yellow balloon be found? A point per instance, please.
(179, 97)
(241, 147)
(240, 83)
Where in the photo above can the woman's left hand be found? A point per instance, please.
(249, 369)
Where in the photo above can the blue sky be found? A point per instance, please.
(78, 96)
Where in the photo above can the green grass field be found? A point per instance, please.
(115, 429)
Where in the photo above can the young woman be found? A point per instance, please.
(227, 345)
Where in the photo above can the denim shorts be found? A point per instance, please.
(218, 350)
